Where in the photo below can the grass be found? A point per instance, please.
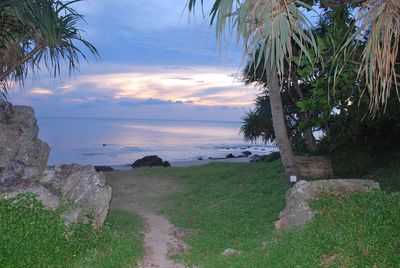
(33, 237)
(236, 206)
(361, 230)
(229, 206)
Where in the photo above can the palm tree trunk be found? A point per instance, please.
(278, 120)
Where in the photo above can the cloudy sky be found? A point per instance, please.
(157, 61)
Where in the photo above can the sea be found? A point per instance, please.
(105, 141)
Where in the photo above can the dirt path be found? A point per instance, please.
(137, 195)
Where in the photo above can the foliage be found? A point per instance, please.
(340, 114)
(271, 26)
(33, 237)
(257, 123)
(35, 32)
(277, 28)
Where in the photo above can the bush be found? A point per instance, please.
(33, 237)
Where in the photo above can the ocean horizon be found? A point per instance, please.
(119, 141)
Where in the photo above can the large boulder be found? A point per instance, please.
(82, 186)
(19, 142)
(104, 168)
(12, 187)
(148, 161)
(297, 211)
(246, 153)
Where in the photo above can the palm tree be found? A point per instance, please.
(35, 32)
(275, 27)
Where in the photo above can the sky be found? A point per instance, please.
(157, 62)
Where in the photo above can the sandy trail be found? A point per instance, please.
(136, 194)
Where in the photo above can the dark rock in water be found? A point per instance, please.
(104, 145)
(262, 149)
(104, 168)
(246, 153)
(148, 161)
(166, 164)
(211, 158)
(230, 156)
(19, 141)
(200, 158)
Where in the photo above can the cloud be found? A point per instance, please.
(41, 91)
(158, 85)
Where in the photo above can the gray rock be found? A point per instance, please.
(230, 252)
(23, 159)
(297, 211)
(74, 215)
(17, 169)
(246, 153)
(12, 187)
(255, 158)
(19, 141)
(84, 188)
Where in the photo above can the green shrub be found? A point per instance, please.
(33, 237)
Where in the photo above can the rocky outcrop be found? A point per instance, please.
(23, 159)
(22, 153)
(84, 188)
(297, 210)
(104, 168)
(150, 161)
(11, 187)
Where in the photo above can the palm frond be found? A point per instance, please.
(273, 27)
(381, 27)
(39, 31)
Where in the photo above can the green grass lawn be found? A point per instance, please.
(33, 237)
(236, 206)
(229, 206)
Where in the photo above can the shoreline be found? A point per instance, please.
(189, 163)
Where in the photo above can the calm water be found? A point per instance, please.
(82, 140)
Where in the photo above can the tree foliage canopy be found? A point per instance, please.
(39, 31)
(280, 27)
